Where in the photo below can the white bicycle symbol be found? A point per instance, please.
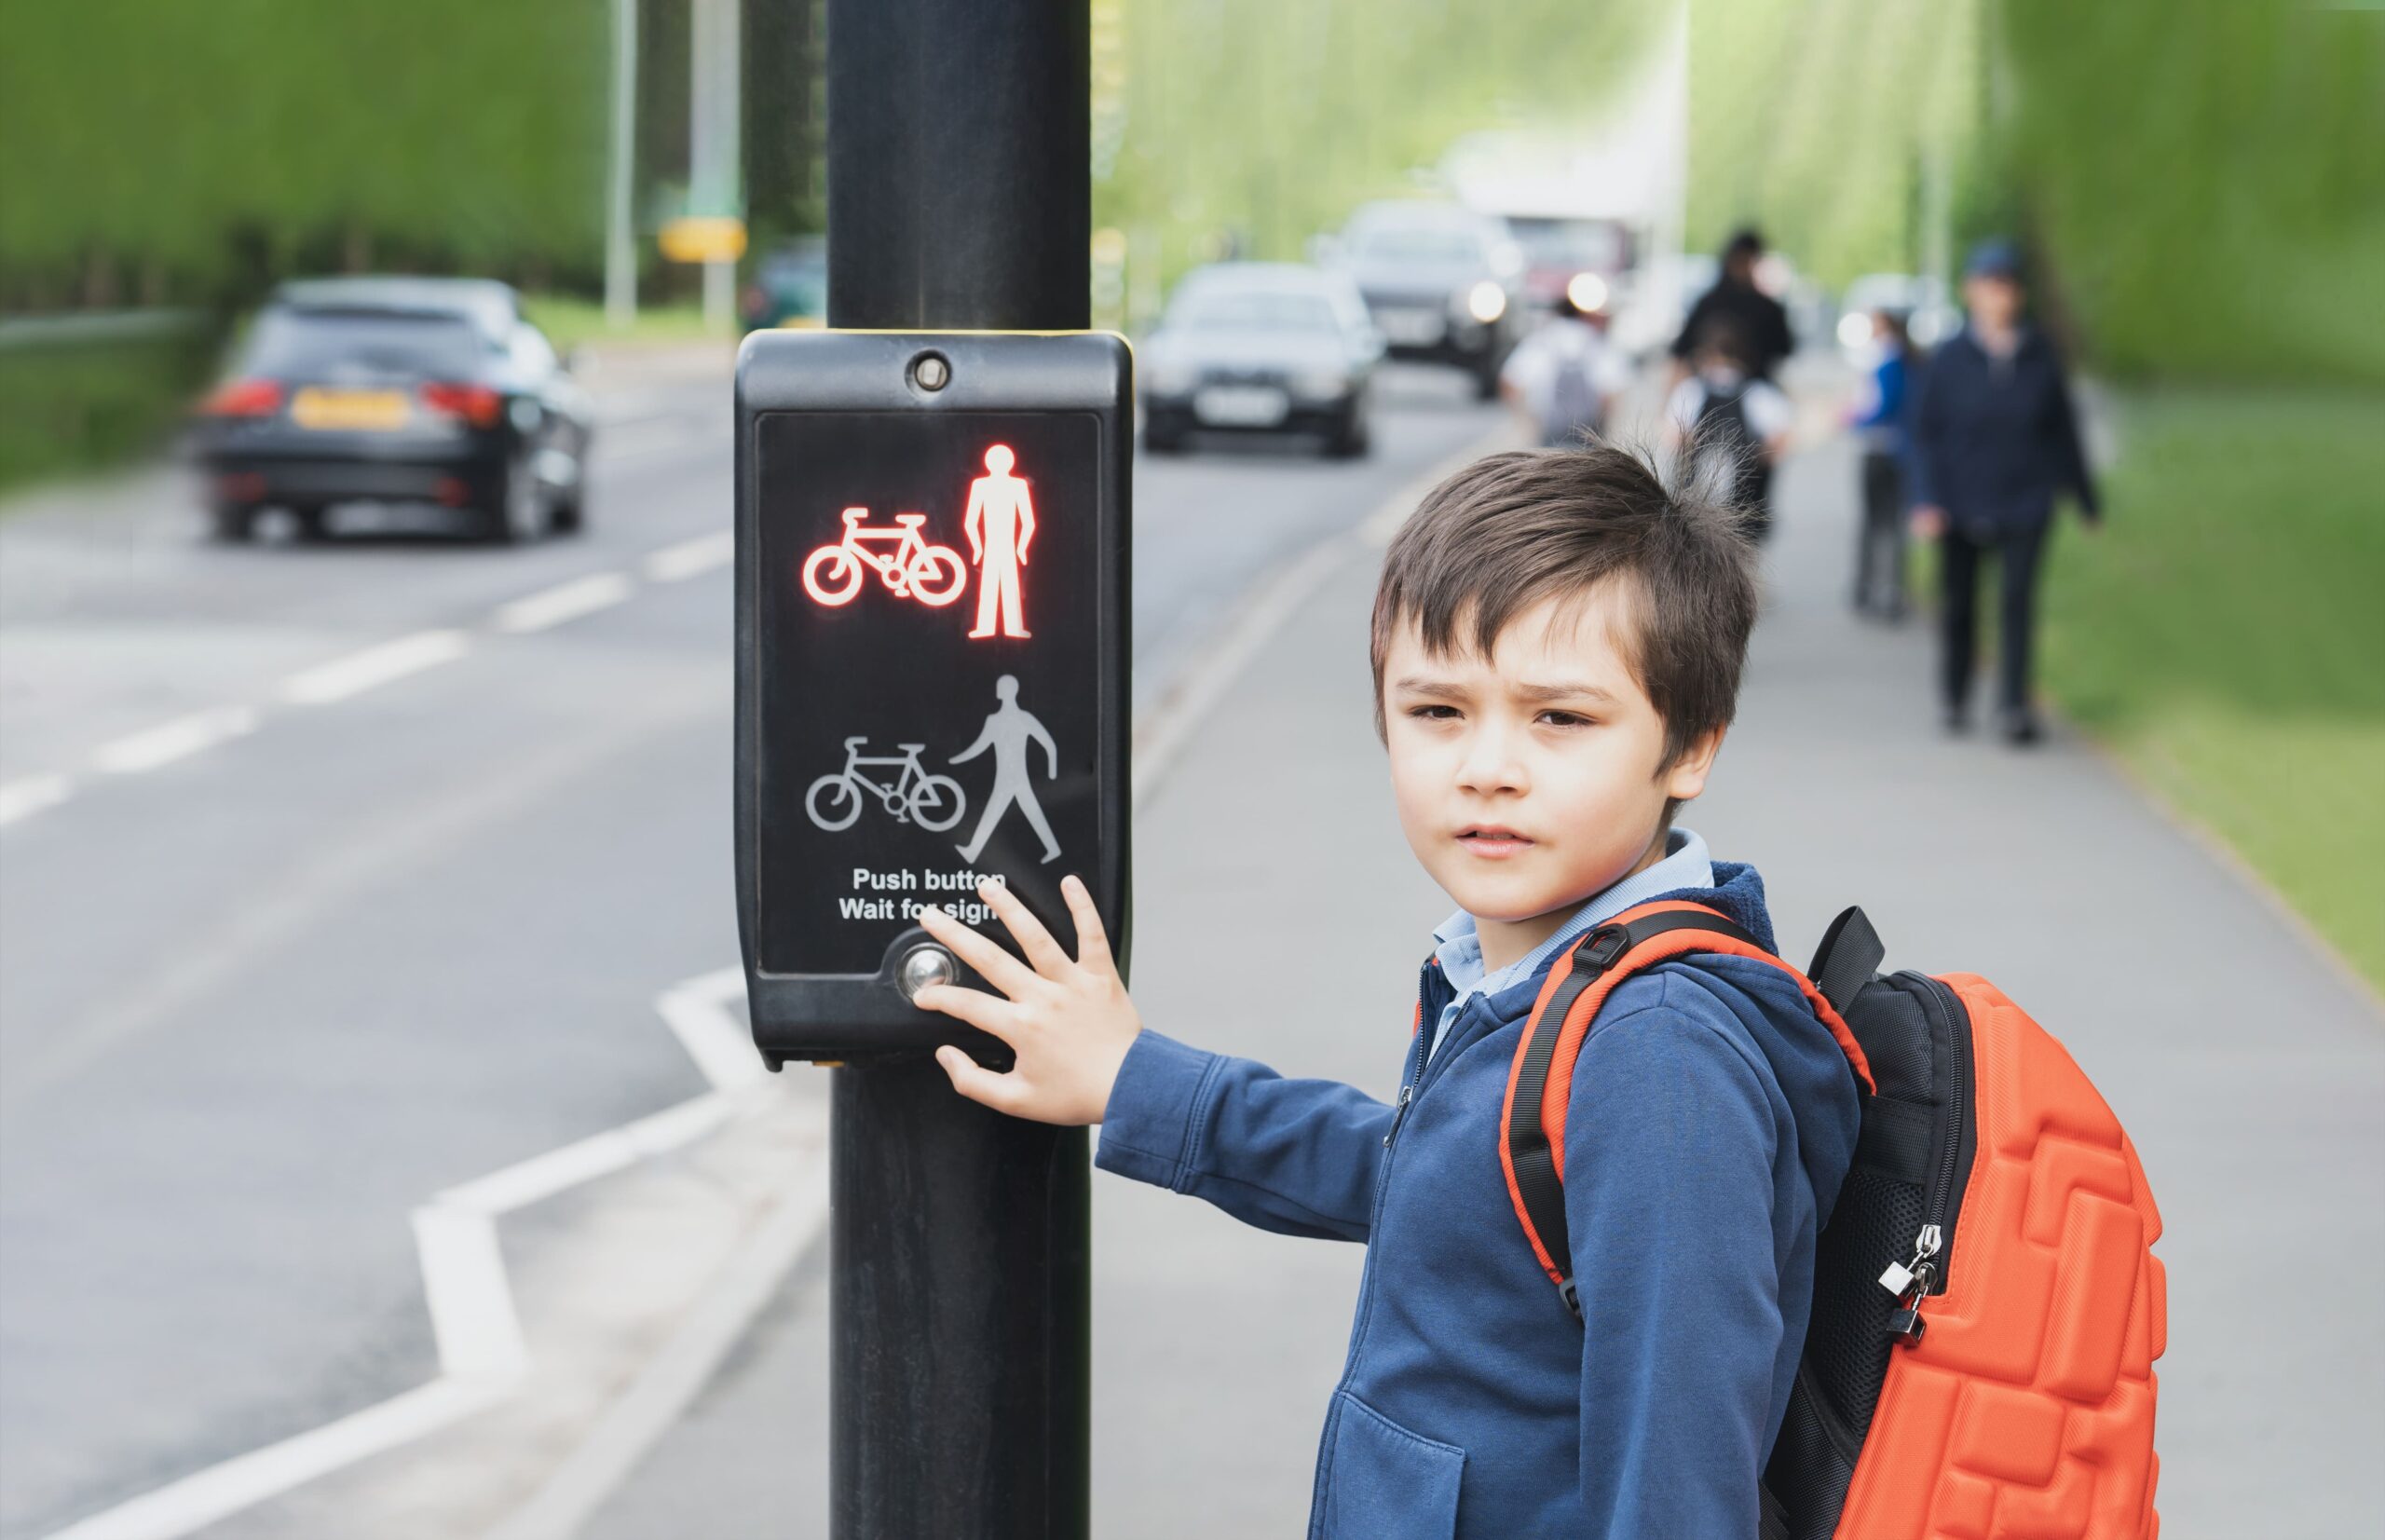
(933, 802)
(912, 569)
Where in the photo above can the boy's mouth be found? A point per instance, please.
(1493, 841)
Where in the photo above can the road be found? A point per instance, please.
(333, 876)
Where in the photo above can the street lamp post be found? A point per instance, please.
(621, 252)
(958, 199)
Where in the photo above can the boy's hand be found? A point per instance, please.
(1069, 1021)
(1930, 521)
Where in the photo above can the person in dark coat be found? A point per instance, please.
(1736, 301)
(1996, 441)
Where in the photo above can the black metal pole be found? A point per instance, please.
(959, 1297)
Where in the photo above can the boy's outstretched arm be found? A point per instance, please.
(1295, 1156)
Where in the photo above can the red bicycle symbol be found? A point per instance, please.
(911, 569)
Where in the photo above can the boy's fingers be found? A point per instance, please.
(1093, 941)
(977, 1083)
(997, 967)
(1033, 939)
(975, 1006)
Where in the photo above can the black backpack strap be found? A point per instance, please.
(1849, 956)
(1537, 1186)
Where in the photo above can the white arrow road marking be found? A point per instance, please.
(483, 1356)
(176, 740)
(345, 677)
(568, 601)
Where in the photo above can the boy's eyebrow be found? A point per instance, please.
(1565, 690)
(1421, 684)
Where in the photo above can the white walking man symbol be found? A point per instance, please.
(1007, 732)
(999, 523)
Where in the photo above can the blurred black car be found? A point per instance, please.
(396, 391)
(789, 288)
(1445, 284)
(1264, 348)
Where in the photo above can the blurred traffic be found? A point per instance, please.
(375, 1132)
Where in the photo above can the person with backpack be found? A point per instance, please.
(1737, 299)
(1664, 1236)
(1732, 424)
(1557, 646)
(1563, 377)
(1996, 441)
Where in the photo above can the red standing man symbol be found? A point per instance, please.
(999, 523)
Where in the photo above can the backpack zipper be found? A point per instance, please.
(1937, 1220)
(1927, 1272)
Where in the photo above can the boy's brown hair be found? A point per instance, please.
(1512, 530)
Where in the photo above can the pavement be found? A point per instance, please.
(272, 998)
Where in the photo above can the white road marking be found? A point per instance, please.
(176, 740)
(345, 677)
(569, 600)
(698, 1012)
(484, 1355)
(674, 563)
(220, 1491)
(22, 799)
(671, 1380)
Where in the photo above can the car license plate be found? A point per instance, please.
(367, 411)
(1410, 328)
(1241, 405)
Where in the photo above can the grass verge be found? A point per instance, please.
(2225, 635)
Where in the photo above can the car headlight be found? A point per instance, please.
(1486, 302)
(1320, 384)
(1170, 379)
(1587, 291)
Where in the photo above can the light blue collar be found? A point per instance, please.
(1458, 943)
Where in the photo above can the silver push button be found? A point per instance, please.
(925, 965)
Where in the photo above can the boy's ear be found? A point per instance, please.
(1685, 779)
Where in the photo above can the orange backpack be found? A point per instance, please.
(1987, 1310)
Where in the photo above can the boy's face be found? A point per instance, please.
(1527, 780)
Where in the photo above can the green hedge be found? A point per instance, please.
(2223, 633)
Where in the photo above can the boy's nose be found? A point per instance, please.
(1491, 765)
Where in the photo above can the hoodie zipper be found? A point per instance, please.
(1420, 1053)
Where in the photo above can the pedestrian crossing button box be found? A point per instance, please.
(932, 661)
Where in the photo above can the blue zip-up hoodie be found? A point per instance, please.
(1712, 1120)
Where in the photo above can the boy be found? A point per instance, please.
(1557, 646)
(1732, 421)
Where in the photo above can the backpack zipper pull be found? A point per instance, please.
(1898, 1277)
(1910, 1283)
(1399, 1113)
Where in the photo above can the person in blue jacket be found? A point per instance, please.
(1557, 643)
(1995, 441)
(1882, 424)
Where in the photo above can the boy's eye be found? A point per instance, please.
(1434, 712)
(1566, 719)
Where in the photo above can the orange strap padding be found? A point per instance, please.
(1576, 1027)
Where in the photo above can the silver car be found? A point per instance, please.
(1260, 348)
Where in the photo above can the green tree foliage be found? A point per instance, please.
(162, 152)
(1270, 119)
(2210, 175)
(1824, 122)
